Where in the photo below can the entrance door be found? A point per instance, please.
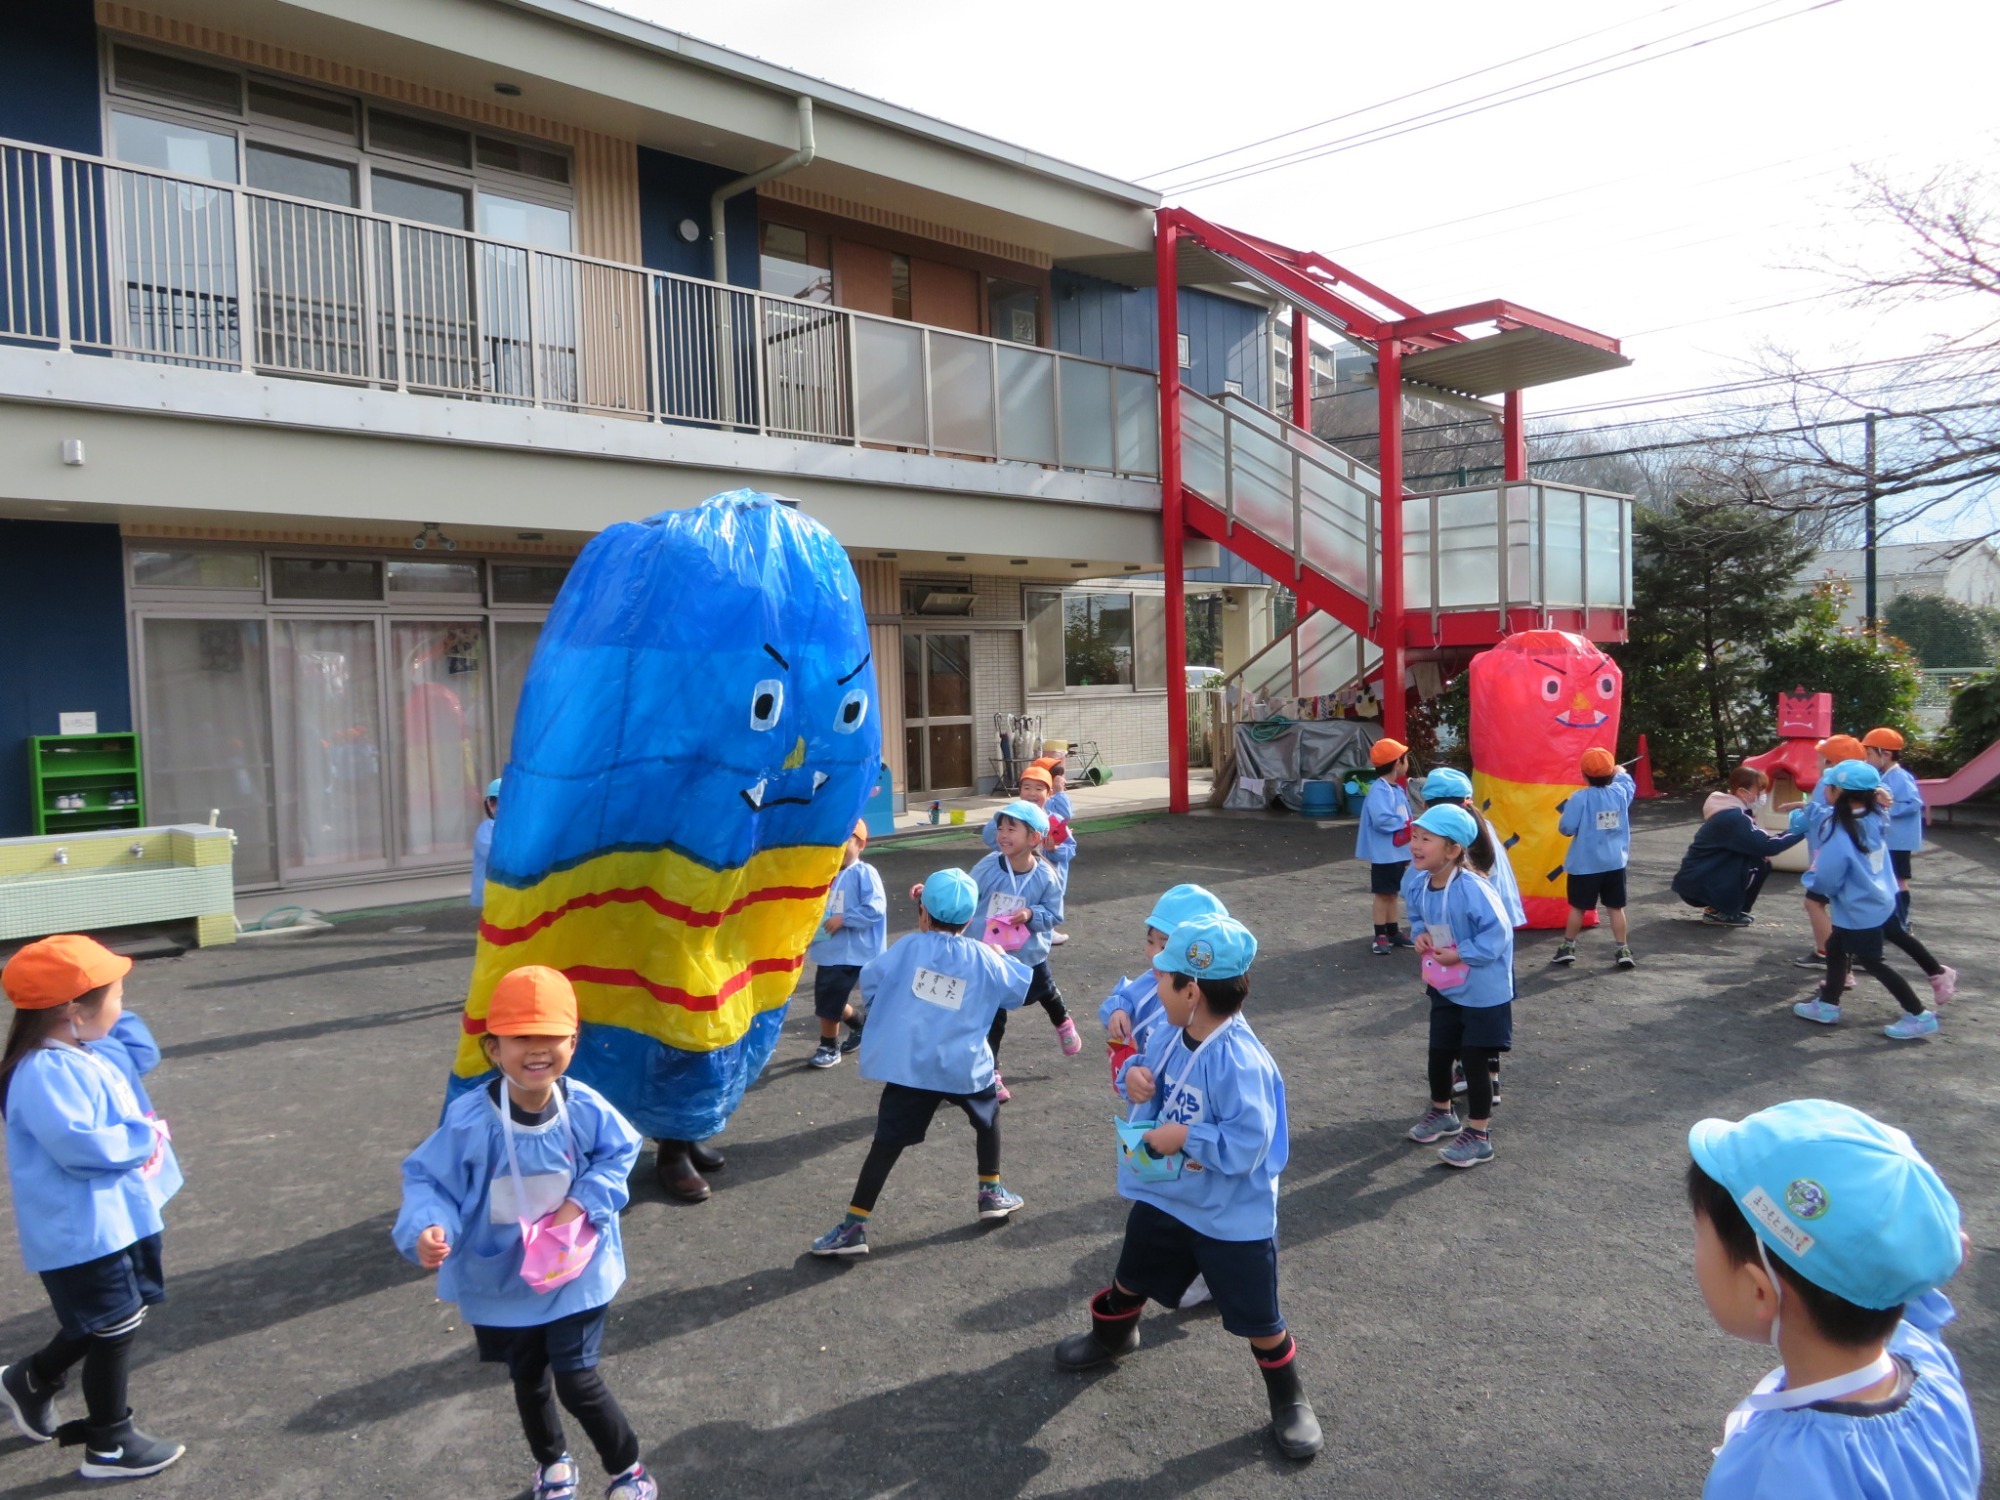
(438, 694)
(327, 706)
(937, 712)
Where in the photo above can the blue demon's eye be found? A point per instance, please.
(767, 699)
(852, 713)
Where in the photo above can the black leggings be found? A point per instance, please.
(537, 1388)
(1482, 1066)
(106, 1360)
(1042, 991)
(1838, 959)
(882, 1159)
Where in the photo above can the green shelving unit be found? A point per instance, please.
(100, 769)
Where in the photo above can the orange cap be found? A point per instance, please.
(1386, 752)
(534, 1001)
(861, 833)
(1038, 772)
(1598, 761)
(1836, 748)
(1883, 739)
(55, 970)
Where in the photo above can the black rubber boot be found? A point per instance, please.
(1294, 1424)
(1112, 1334)
(705, 1157)
(677, 1175)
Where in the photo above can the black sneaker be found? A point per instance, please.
(825, 1055)
(34, 1411)
(852, 1040)
(1810, 961)
(124, 1452)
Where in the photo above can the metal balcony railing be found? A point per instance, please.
(103, 258)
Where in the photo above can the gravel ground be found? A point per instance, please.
(1531, 1328)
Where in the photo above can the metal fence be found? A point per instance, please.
(133, 263)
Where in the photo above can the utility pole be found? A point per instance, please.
(1868, 542)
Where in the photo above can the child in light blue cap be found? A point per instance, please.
(482, 844)
(930, 1000)
(1019, 887)
(1207, 1206)
(1486, 854)
(1824, 1233)
(1132, 1011)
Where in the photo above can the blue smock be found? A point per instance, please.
(1001, 889)
(857, 898)
(1598, 821)
(1466, 914)
(1906, 813)
(1058, 855)
(482, 850)
(1385, 812)
(90, 1170)
(131, 1046)
(1501, 878)
(1857, 880)
(1140, 999)
(1927, 1448)
(1229, 1094)
(931, 1000)
(459, 1180)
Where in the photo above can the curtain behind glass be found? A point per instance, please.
(208, 738)
(329, 744)
(438, 686)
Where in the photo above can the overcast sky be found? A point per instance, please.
(1676, 204)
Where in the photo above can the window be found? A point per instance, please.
(170, 146)
(301, 176)
(419, 580)
(539, 224)
(422, 140)
(1094, 639)
(1013, 311)
(527, 583)
(298, 109)
(1045, 642)
(1186, 351)
(899, 287)
(329, 578)
(795, 263)
(426, 202)
(190, 568)
(159, 76)
(528, 161)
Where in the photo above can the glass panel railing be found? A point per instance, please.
(1027, 404)
(1089, 437)
(961, 383)
(1203, 467)
(1468, 548)
(889, 384)
(1330, 656)
(1604, 551)
(1562, 547)
(1138, 422)
(1417, 553)
(1524, 510)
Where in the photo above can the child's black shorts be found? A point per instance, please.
(571, 1343)
(108, 1291)
(1899, 861)
(1162, 1257)
(1607, 889)
(1387, 880)
(904, 1116)
(832, 985)
(1455, 1027)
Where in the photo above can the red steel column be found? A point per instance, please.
(1389, 392)
(1172, 523)
(1513, 439)
(1302, 373)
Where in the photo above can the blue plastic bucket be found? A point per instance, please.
(1318, 799)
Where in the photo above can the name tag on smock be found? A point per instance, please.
(947, 990)
(836, 904)
(1004, 902)
(544, 1191)
(1607, 821)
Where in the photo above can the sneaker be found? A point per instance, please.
(1624, 959)
(1458, 1078)
(34, 1411)
(825, 1055)
(1001, 1093)
(1057, 939)
(131, 1454)
(851, 1041)
(1810, 961)
(556, 1481)
(1381, 947)
(634, 1484)
(1196, 1294)
(1945, 985)
(995, 1202)
(1468, 1150)
(1434, 1126)
(1738, 919)
(1401, 939)
(1818, 1010)
(1565, 953)
(1909, 1028)
(842, 1239)
(1066, 1034)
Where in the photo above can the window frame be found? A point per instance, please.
(1030, 662)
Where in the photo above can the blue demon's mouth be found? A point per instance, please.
(758, 800)
(1589, 723)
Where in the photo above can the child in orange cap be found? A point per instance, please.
(1598, 820)
(91, 1171)
(1884, 750)
(496, 1196)
(1383, 839)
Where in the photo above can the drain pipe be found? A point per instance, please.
(718, 231)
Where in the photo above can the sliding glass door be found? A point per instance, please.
(327, 697)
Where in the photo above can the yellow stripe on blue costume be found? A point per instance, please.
(695, 741)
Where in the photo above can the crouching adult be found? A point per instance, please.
(1726, 865)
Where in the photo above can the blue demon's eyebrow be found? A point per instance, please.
(777, 658)
(856, 672)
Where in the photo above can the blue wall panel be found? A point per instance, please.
(673, 188)
(62, 615)
(48, 75)
(1226, 338)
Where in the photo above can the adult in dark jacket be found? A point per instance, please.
(1724, 868)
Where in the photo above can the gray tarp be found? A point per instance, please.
(1273, 758)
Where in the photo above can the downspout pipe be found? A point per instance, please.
(718, 231)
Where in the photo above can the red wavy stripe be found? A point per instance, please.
(664, 993)
(687, 915)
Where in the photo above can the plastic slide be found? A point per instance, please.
(1967, 782)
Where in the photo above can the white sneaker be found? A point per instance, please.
(1057, 939)
(1196, 1294)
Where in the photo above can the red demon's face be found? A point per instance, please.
(1583, 694)
(1539, 700)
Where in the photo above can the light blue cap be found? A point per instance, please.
(1208, 947)
(1182, 903)
(1450, 822)
(1841, 1198)
(1855, 776)
(1448, 782)
(1026, 812)
(950, 896)
(493, 787)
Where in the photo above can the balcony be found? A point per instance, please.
(103, 259)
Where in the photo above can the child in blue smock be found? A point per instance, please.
(1132, 1012)
(1382, 839)
(1597, 819)
(532, 1152)
(930, 1000)
(853, 932)
(1204, 1193)
(1854, 877)
(1021, 888)
(1824, 1233)
(1466, 945)
(1058, 845)
(1486, 854)
(482, 844)
(1884, 749)
(91, 1171)
(1814, 818)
